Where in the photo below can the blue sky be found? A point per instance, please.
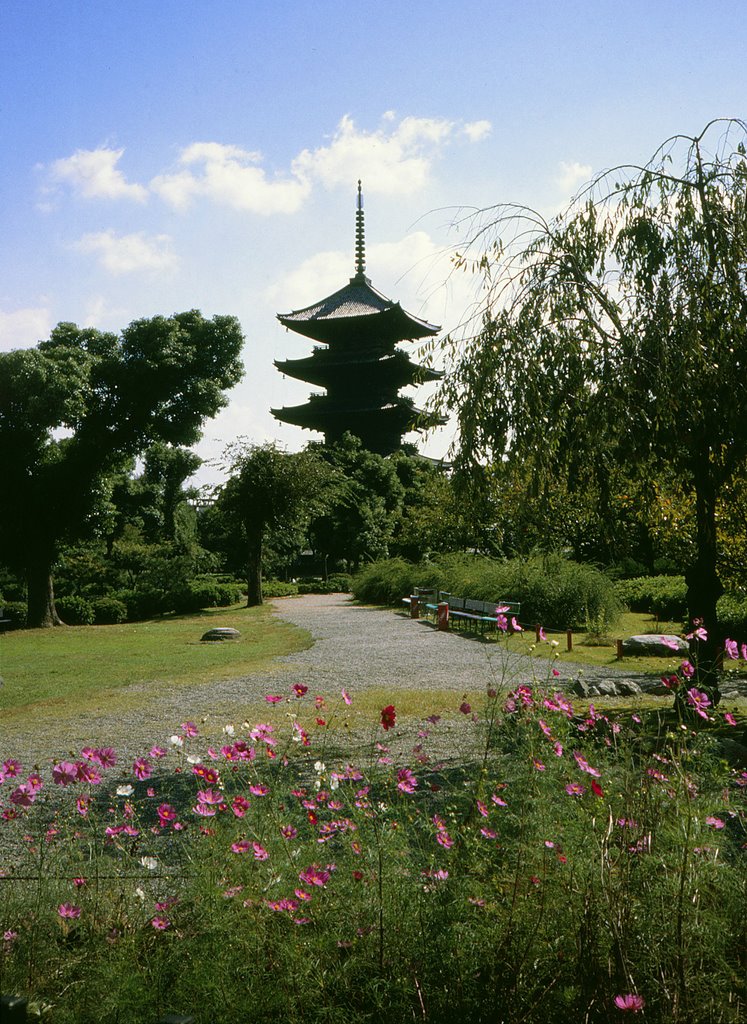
(164, 155)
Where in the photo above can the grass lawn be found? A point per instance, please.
(94, 668)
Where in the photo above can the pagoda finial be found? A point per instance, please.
(360, 241)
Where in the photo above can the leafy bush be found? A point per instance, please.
(663, 596)
(732, 617)
(143, 604)
(386, 581)
(17, 612)
(75, 611)
(278, 588)
(552, 590)
(108, 611)
(339, 583)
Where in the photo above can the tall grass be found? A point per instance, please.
(524, 861)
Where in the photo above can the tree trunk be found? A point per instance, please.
(704, 586)
(254, 569)
(41, 608)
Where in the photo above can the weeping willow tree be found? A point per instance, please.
(616, 334)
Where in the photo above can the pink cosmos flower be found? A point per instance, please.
(699, 701)
(575, 789)
(630, 1002)
(585, 766)
(687, 669)
(714, 822)
(240, 805)
(407, 782)
(68, 911)
(64, 773)
(288, 832)
(259, 789)
(314, 875)
(732, 649)
(166, 813)
(105, 756)
(699, 633)
(23, 795)
(729, 718)
(160, 923)
(465, 708)
(158, 752)
(273, 698)
(346, 696)
(190, 729)
(489, 833)
(482, 808)
(299, 689)
(515, 625)
(11, 768)
(241, 846)
(538, 765)
(498, 801)
(260, 853)
(141, 768)
(501, 622)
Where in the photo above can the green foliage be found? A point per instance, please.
(732, 614)
(617, 333)
(108, 611)
(663, 596)
(76, 611)
(337, 583)
(278, 588)
(16, 611)
(76, 410)
(552, 590)
(553, 864)
(204, 592)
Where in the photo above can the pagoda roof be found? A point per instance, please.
(324, 364)
(321, 414)
(357, 305)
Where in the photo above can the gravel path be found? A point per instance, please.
(354, 647)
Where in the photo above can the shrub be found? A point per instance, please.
(386, 581)
(108, 611)
(663, 596)
(732, 617)
(337, 584)
(75, 611)
(278, 588)
(552, 590)
(17, 612)
(143, 604)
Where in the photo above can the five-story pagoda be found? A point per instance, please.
(361, 368)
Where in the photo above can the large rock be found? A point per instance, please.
(656, 644)
(605, 688)
(221, 633)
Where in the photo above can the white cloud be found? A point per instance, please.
(572, 174)
(395, 158)
(94, 174)
(476, 131)
(123, 254)
(23, 328)
(230, 175)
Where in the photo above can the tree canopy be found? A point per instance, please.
(617, 333)
(79, 407)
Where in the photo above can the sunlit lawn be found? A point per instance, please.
(98, 668)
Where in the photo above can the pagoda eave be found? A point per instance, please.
(393, 323)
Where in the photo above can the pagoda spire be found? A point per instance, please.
(360, 238)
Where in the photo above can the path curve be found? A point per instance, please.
(354, 646)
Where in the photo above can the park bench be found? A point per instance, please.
(468, 612)
(482, 615)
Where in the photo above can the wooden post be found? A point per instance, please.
(619, 650)
(537, 634)
(443, 616)
(414, 607)
(569, 639)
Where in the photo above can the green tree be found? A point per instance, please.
(269, 490)
(618, 332)
(79, 407)
(362, 509)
